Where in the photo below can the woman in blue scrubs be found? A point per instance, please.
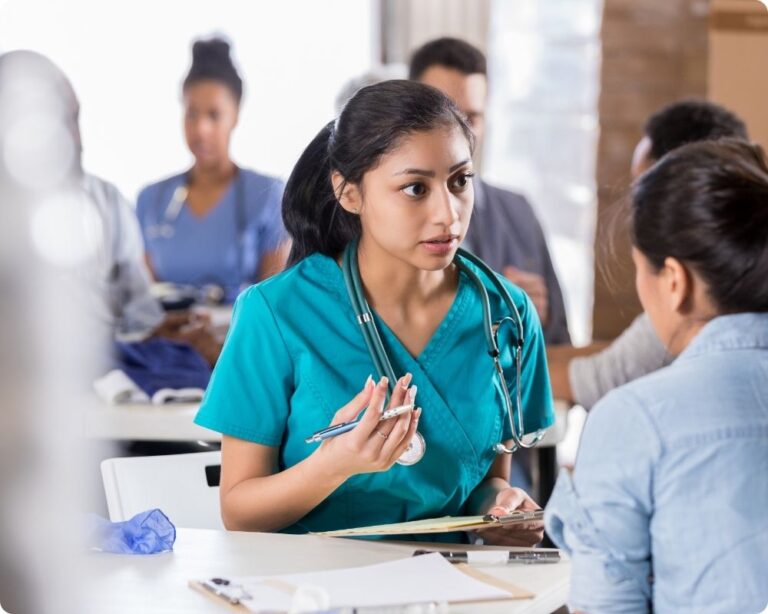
(394, 172)
(216, 226)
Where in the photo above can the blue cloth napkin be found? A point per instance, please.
(149, 532)
(158, 363)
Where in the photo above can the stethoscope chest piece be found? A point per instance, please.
(414, 452)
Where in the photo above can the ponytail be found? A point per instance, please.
(311, 212)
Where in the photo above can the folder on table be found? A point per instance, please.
(447, 524)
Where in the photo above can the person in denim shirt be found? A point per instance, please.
(667, 508)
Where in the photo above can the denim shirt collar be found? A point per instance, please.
(730, 332)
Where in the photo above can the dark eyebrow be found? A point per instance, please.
(458, 165)
(418, 171)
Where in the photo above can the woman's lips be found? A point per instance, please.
(441, 246)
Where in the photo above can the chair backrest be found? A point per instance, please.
(184, 486)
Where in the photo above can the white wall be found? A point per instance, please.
(127, 60)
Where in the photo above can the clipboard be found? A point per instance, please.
(446, 524)
(243, 594)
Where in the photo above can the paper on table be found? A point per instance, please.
(420, 579)
(430, 525)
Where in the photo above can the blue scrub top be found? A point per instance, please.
(225, 246)
(295, 354)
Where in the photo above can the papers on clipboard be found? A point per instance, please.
(446, 524)
(414, 580)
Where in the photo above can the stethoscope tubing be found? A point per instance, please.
(173, 209)
(381, 361)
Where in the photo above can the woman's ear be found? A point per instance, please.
(678, 285)
(348, 194)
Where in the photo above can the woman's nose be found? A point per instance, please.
(446, 208)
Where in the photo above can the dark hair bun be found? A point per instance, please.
(213, 52)
(211, 61)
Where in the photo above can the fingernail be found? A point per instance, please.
(412, 393)
(406, 380)
(368, 382)
(383, 382)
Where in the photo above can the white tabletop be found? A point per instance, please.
(158, 584)
(145, 422)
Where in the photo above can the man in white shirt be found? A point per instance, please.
(117, 284)
(122, 288)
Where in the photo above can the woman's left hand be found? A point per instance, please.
(519, 533)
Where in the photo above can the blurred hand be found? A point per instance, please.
(535, 286)
(372, 446)
(519, 533)
(194, 329)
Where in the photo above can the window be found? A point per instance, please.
(544, 76)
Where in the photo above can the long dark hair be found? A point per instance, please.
(372, 123)
(706, 204)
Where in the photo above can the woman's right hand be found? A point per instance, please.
(371, 446)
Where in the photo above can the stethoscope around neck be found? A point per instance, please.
(210, 291)
(491, 329)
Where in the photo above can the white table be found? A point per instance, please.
(145, 422)
(158, 584)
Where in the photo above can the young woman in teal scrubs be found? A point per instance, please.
(394, 172)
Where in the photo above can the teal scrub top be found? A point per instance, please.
(295, 354)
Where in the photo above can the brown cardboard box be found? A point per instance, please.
(738, 62)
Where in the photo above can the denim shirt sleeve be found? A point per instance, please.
(601, 515)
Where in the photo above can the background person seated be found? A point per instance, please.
(504, 231)
(116, 284)
(217, 226)
(585, 375)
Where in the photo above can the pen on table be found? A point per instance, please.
(338, 429)
(497, 557)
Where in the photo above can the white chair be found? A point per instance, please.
(178, 484)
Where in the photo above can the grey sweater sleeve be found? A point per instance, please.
(634, 353)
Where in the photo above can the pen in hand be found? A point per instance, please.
(339, 429)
